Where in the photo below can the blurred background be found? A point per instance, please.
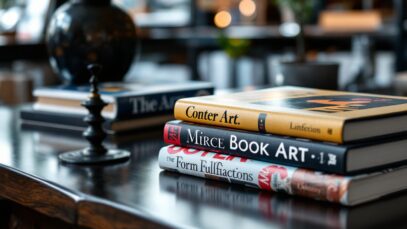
(232, 43)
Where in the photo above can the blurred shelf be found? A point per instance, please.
(204, 37)
(267, 37)
(256, 32)
(11, 49)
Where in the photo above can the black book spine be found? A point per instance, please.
(154, 104)
(263, 147)
(58, 120)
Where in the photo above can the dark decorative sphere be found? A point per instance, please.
(83, 32)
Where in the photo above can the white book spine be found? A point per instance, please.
(263, 175)
(70, 110)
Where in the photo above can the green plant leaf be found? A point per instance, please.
(302, 9)
(232, 46)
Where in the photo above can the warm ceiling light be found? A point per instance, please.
(223, 19)
(247, 7)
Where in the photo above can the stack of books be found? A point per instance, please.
(131, 106)
(341, 147)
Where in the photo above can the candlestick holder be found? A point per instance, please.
(95, 134)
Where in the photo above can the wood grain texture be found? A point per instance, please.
(38, 195)
(26, 218)
(96, 214)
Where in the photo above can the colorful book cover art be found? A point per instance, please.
(263, 175)
(300, 101)
(334, 103)
(303, 182)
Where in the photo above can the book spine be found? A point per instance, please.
(263, 147)
(60, 121)
(296, 125)
(258, 174)
(154, 104)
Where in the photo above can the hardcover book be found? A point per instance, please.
(346, 190)
(320, 156)
(323, 115)
(125, 100)
(44, 120)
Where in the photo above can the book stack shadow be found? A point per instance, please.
(341, 147)
(131, 106)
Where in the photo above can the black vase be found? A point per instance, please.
(83, 32)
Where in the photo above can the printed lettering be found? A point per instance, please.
(293, 152)
(303, 151)
(244, 146)
(229, 119)
(186, 165)
(142, 105)
(281, 150)
(204, 115)
(198, 137)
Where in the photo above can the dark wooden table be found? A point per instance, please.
(37, 190)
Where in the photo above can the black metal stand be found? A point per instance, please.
(96, 152)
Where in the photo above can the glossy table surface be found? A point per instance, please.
(139, 193)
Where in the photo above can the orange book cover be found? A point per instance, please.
(300, 112)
